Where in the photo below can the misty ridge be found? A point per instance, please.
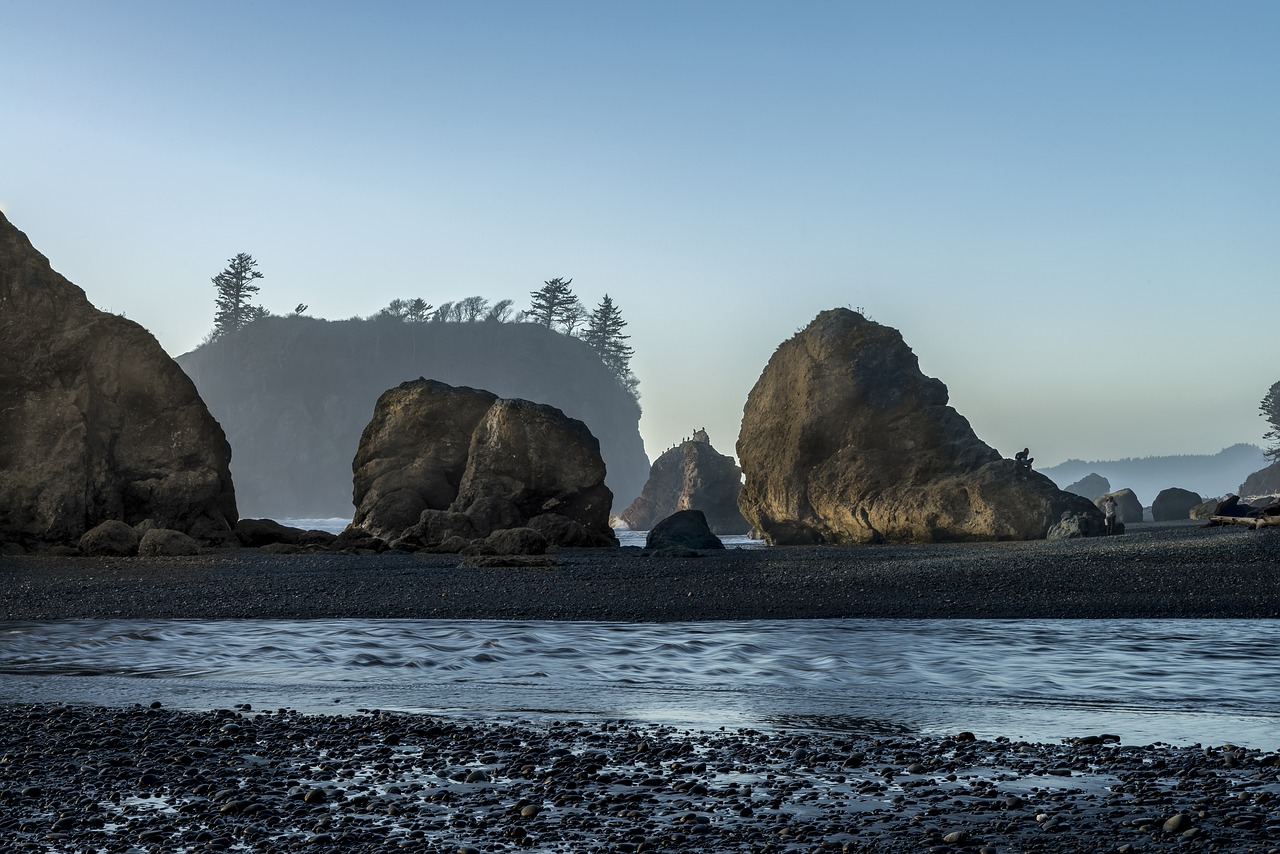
(294, 393)
(1210, 475)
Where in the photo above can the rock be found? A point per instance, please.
(541, 461)
(253, 533)
(1072, 526)
(509, 541)
(1130, 508)
(686, 529)
(691, 476)
(1176, 823)
(507, 561)
(112, 538)
(163, 542)
(1174, 504)
(1205, 509)
(438, 462)
(413, 453)
(844, 440)
(98, 422)
(1263, 482)
(1090, 486)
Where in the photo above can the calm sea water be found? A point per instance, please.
(1174, 681)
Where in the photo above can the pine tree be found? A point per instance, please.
(549, 303)
(1270, 409)
(604, 335)
(417, 310)
(235, 288)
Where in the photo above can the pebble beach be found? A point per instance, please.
(149, 778)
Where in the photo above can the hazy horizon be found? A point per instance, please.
(1066, 209)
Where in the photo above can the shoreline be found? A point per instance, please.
(1154, 570)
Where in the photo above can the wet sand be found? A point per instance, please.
(1154, 570)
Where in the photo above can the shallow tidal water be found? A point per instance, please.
(1147, 681)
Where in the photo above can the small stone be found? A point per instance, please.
(1177, 823)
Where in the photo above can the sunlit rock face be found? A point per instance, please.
(844, 440)
(1264, 482)
(97, 423)
(691, 476)
(438, 461)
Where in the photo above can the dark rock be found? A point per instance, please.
(413, 453)
(1174, 504)
(844, 440)
(564, 531)
(163, 542)
(112, 538)
(1090, 486)
(98, 422)
(509, 541)
(436, 526)
(691, 476)
(686, 529)
(1130, 508)
(253, 533)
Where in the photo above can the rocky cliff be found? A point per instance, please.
(97, 423)
(844, 440)
(691, 476)
(294, 394)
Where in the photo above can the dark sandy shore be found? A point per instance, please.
(1154, 570)
(156, 780)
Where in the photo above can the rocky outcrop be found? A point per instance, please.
(1264, 482)
(686, 529)
(1090, 486)
(295, 393)
(1130, 508)
(440, 466)
(1174, 504)
(97, 422)
(691, 476)
(844, 440)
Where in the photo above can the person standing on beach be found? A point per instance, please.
(1109, 508)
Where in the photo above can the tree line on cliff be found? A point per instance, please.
(554, 306)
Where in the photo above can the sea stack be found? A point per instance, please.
(844, 440)
(98, 423)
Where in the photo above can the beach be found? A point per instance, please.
(150, 778)
(1155, 570)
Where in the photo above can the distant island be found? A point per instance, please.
(1211, 475)
(294, 394)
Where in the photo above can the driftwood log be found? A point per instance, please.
(1248, 521)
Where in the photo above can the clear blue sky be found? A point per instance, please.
(1070, 210)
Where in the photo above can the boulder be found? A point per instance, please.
(511, 541)
(1174, 504)
(163, 542)
(98, 422)
(686, 529)
(111, 538)
(844, 440)
(255, 533)
(1090, 486)
(1205, 508)
(691, 476)
(413, 453)
(1130, 508)
(438, 462)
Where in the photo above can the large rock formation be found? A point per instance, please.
(1130, 508)
(691, 476)
(1174, 504)
(441, 464)
(97, 423)
(295, 393)
(1090, 486)
(844, 440)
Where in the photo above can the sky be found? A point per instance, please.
(1068, 209)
